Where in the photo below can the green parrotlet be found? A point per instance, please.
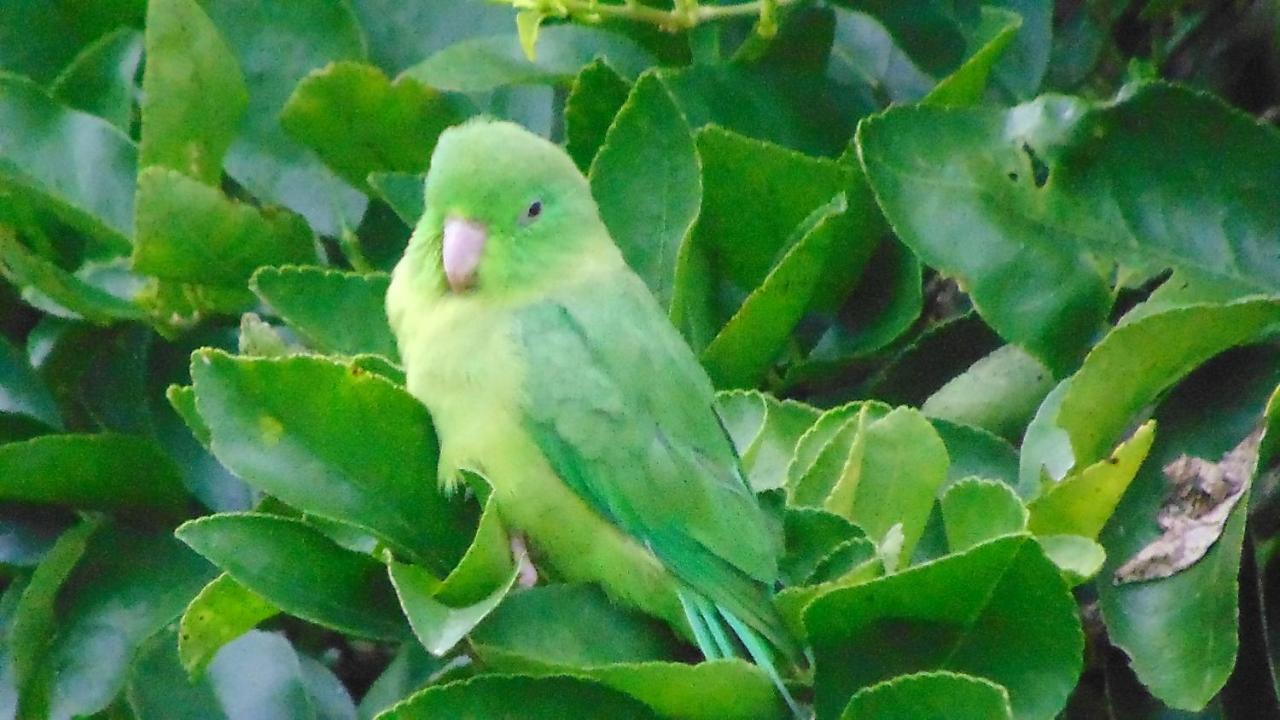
(548, 367)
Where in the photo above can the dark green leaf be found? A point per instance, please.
(1181, 632)
(127, 586)
(23, 393)
(567, 626)
(967, 84)
(335, 441)
(193, 95)
(998, 611)
(39, 37)
(335, 311)
(976, 452)
(402, 33)
(102, 79)
(299, 570)
(646, 181)
(597, 94)
(359, 122)
(256, 677)
(410, 670)
(110, 472)
(810, 536)
(44, 284)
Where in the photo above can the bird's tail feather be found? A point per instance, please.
(715, 629)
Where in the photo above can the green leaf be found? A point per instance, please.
(781, 187)
(100, 80)
(115, 473)
(727, 689)
(1181, 632)
(646, 182)
(400, 33)
(78, 166)
(597, 94)
(966, 85)
(1127, 371)
(999, 393)
(884, 304)
(39, 37)
(1022, 66)
(893, 471)
(34, 623)
(527, 23)
(193, 95)
(998, 611)
(480, 64)
(128, 585)
(44, 283)
(742, 352)
(1081, 503)
(330, 586)
(403, 192)
(271, 427)
(930, 360)
(189, 232)
(810, 536)
(276, 46)
(928, 30)
(767, 446)
(823, 451)
(931, 694)
(334, 311)
(23, 394)
(976, 452)
(359, 122)
(410, 670)
(1028, 278)
(544, 698)
(1079, 558)
(794, 109)
(574, 626)
(223, 611)
(258, 676)
(441, 613)
(977, 510)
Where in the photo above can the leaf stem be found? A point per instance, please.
(684, 15)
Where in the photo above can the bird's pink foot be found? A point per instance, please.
(528, 574)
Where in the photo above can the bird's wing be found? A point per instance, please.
(620, 407)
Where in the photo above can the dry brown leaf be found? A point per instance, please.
(1195, 512)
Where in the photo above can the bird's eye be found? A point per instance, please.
(532, 212)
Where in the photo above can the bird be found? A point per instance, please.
(548, 367)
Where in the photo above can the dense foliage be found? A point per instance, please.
(974, 279)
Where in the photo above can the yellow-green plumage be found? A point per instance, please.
(551, 370)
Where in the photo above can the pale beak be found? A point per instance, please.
(463, 245)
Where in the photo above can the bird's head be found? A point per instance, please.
(506, 211)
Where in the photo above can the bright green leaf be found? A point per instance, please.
(335, 311)
(223, 611)
(1081, 503)
(42, 282)
(976, 510)
(189, 232)
(362, 452)
(929, 695)
(1079, 558)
